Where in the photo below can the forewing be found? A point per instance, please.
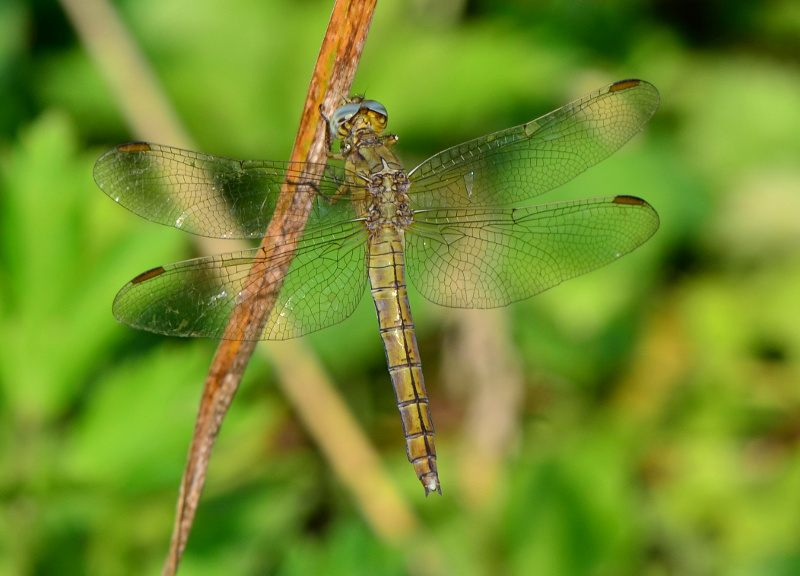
(205, 194)
(492, 257)
(325, 282)
(519, 163)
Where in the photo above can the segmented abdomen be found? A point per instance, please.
(388, 287)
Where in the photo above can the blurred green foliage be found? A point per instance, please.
(659, 428)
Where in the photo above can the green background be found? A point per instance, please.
(654, 426)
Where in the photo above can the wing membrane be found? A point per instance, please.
(325, 282)
(519, 163)
(205, 194)
(492, 257)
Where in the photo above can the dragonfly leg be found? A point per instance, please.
(329, 137)
(342, 191)
(389, 140)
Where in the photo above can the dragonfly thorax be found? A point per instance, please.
(388, 200)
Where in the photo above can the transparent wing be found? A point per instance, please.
(492, 257)
(325, 282)
(519, 163)
(205, 194)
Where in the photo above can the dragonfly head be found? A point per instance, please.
(371, 112)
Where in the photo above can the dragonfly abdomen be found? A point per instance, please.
(388, 288)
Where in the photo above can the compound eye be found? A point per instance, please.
(341, 119)
(377, 114)
(375, 106)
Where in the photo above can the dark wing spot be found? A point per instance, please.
(623, 85)
(134, 147)
(145, 276)
(628, 200)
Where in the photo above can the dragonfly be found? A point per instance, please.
(460, 225)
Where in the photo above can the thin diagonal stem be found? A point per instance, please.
(333, 75)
